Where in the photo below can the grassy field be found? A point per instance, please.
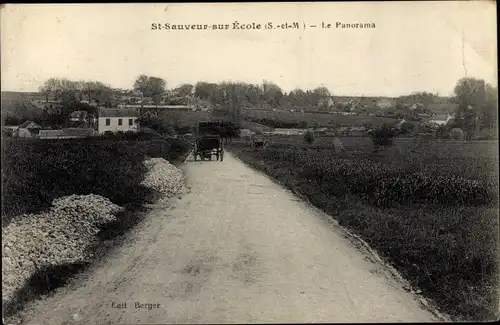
(191, 118)
(320, 119)
(429, 208)
(34, 172)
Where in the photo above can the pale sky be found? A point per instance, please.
(414, 46)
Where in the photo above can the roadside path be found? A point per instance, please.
(237, 249)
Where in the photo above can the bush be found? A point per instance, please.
(279, 124)
(183, 129)
(157, 124)
(457, 134)
(382, 136)
(309, 137)
(442, 132)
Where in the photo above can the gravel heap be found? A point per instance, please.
(163, 177)
(63, 234)
(58, 236)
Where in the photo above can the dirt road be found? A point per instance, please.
(237, 249)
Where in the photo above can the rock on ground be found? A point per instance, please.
(163, 177)
(58, 236)
(63, 234)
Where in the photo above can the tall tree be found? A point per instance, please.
(184, 90)
(51, 88)
(489, 110)
(151, 87)
(321, 92)
(156, 89)
(207, 91)
(271, 94)
(141, 84)
(229, 102)
(470, 94)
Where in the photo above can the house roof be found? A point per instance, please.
(29, 124)
(118, 112)
(79, 114)
(78, 131)
(74, 132)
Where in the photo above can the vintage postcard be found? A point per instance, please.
(301, 162)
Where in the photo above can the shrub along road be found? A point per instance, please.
(237, 248)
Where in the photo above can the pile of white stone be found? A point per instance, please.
(58, 236)
(163, 177)
(63, 234)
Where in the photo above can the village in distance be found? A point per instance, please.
(72, 109)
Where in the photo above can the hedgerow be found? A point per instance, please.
(34, 172)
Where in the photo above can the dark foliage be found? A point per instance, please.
(279, 124)
(382, 136)
(36, 172)
(309, 137)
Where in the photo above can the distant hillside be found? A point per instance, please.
(17, 107)
(15, 95)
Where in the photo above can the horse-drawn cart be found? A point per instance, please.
(207, 146)
(208, 142)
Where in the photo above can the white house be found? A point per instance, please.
(28, 129)
(441, 119)
(400, 123)
(117, 119)
(385, 103)
(245, 133)
(280, 131)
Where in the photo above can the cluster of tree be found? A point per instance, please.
(151, 87)
(476, 115)
(309, 136)
(64, 96)
(422, 97)
(157, 124)
(69, 91)
(477, 105)
(227, 130)
(383, 136)
(15, 112)
(268, 95)
(185, 90)
(280, 124)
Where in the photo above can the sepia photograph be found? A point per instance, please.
(241, 163)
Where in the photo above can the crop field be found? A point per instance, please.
(191, 118)
(429, 208)
(321, 119)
